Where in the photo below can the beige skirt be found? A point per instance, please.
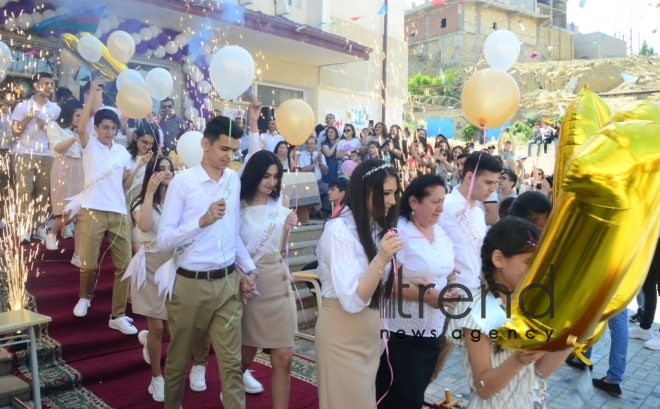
(145, 299)
(268, 318)
(67, 179)
(347, 356)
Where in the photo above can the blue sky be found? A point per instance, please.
(614, 17)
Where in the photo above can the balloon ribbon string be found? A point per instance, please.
(384, 330)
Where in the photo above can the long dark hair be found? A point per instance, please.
(145, 128)
(420, 187)
(254, 171)
(360, 188)
(511, 236)
(353, 128)
(152, 166)
(531, 206)
(68, 109)
(336, 132)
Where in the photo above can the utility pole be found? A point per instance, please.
(384, 79)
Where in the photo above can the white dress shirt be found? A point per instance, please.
(104, 174)
(342, 261)
(270, 141)
(466, 228)
(307, 158)
(189, 197)
(33, 141)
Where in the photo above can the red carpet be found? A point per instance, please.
(111, 363)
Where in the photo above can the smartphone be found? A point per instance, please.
(96, 74)
(371, 122)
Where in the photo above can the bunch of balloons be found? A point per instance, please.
(491, 96)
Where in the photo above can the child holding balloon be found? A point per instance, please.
(500, 378)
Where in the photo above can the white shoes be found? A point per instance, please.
(198, 378)
(653, 343)
(251, 385)
(123, 324)
(157, 388)
(40, 234)
(637, 332)
(68, 231)
(51, 242)
(142, 337)
(80, 309)
(75, 260)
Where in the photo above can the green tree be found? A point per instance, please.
(646, 50)
(427, 86)
(470, 132)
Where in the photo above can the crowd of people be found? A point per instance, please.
(199, 250)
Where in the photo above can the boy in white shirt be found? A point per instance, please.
(33, 159)
(104, 210)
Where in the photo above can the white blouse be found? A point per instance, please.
(422, 259)
(56, 134)
(345, 147)
(342, 261)
(253, 221)
(149, 238)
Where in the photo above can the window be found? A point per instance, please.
(274, 97)
(443, 23)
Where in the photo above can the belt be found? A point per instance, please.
(205, 275)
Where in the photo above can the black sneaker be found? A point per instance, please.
(611, 388)
(636, 317)
(578, 365)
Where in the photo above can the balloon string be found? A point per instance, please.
(383, 329)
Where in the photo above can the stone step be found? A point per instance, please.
(11, 385)
(306, 232)
(6, 363)
(300, 248)
(311, 314)
(298, 263)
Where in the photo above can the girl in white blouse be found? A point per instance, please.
(500, 378)
(348, 143)
(66, 175)
(417, 323)
(355, 254)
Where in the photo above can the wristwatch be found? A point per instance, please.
(249, 273)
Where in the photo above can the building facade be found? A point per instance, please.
(598, 45)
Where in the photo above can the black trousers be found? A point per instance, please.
(413, 360)
(651, 291)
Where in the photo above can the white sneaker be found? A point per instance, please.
(637, 332)
(198, 378)
(122, 324)
(68, 231)
(80, 309)
(142, 337)
(653, 343)
(51, 242)
(251, 385)
(157, 388)
(75, 260)
(40, 234)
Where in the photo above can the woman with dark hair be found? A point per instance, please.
(398, 147)
(145, 212)
(349, 142)
(534, 207)
(282, 152)
(329, 148)
(142, 148)
(67, 178)
(442, 166)
(427, 257)
(500, 378)
(380, 132)
(62, 95)
(265, 221)
(355, 255)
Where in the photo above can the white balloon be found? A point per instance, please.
(206, 49)
(189, 148)
(155, 30)
(37, 17)
(146, 34)
(114, 21)
(48, 14)
(171, 47)
(10, 24)
(159, 52)
(231, 71)
(68, 59)
(188, 103)
(104, 25)
(159, 83)
(136, 38)
(25, 21)
(129, 77)
(62, 10)
(502, 49)
(208, 103)
(121, 46)
(188, 60)
(181, 40)
(187, 68)
(90, 48)
(191, 113)
(204, 87)
(196, 75)
(149, 53)
(98, 33)
(3, 3)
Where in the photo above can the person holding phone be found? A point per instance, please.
(171, 125)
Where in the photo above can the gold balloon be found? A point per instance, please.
(490, 98)
(108, 65)
(134, 101)
(638, 110)
(586, 115)
(580, 349)
(608, 209)
(295, 121)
